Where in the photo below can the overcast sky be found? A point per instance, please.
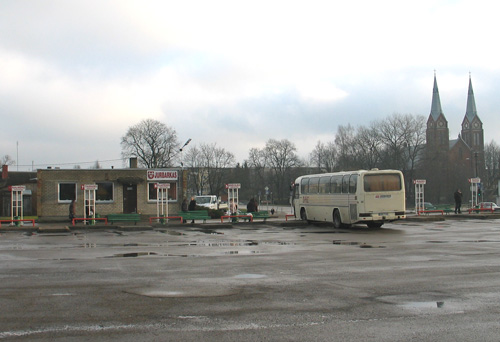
(74, 75)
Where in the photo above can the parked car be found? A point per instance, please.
(429, 206)
(489, 205)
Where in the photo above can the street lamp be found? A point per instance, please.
(182, 148)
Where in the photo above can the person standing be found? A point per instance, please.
(72, 210)
(458, 201)
(192, 206)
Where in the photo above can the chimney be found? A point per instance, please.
(5, 171)
(133, 163)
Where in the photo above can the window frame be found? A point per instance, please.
(99, 186)
(171, 199)
(75, 197)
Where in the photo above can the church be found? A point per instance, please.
(449, 164)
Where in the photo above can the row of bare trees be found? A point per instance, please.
(392, 143)
(396, 142)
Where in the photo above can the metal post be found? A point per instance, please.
(162, 200)
(16, 205)
(419, 195)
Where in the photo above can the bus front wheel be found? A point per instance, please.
(303, 215)
(337, 220)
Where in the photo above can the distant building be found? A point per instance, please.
(449, 164)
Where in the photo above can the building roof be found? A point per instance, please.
(18, 178)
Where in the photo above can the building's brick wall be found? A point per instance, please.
(49, 206)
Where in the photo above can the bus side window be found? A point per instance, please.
(345, 184)
(336, 184)
(304, 186)
(324, 185)
(314, 185)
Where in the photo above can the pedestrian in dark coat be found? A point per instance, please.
(458, 201)
(252, 206)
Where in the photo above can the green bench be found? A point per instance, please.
(263, 214)
(124, 217)
(195, 215)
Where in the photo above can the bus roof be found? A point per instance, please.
(341, 173)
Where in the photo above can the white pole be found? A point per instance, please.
(157, 202)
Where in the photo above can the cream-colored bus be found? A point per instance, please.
(344, 198)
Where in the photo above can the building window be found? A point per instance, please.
(67, 192)
(104, 192)
(172, 192)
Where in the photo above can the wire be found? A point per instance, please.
(74, 163)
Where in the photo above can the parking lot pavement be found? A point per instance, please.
(422, 281)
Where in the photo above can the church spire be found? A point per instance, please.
(471, 111)
(436, 110)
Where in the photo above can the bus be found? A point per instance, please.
(372, 197)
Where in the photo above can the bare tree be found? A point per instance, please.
(281, 157)
(152, 142)
(7, 160)
(368, 147)
(345, 143)
(324, 156)
(492, 161)
(216, 162)
(392, 136)
(197, 178)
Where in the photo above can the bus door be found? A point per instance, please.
(295, 196)
(345, 200)
(353, 199)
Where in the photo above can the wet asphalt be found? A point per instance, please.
(426, 279)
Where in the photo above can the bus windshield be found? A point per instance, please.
(382, 182)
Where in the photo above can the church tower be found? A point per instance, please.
(437, 133)
(472, 131)
(436, 152)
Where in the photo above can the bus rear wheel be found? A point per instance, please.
(372, 224)
(337, 220)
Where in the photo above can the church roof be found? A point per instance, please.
(436, 110)
(471, 111)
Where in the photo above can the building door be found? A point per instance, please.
(129, 198)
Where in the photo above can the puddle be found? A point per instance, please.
(467, 241)
(346, 243)
(250, 276)
(353, 243)
(224, 243)
(423, 305)
(133, 255)
(209, 231)
(328, 232)
(187, 291)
